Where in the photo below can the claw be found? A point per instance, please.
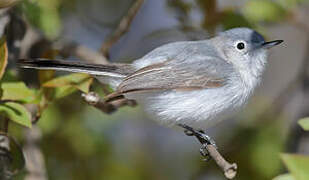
(204, 152)
(202, 137)
(208, 140)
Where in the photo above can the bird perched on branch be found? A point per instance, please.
(192, 84)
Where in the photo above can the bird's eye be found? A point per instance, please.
(240, 45)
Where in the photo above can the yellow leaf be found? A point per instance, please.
(298, 165)
(304, 123)
(3, 56)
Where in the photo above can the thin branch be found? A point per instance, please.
(230, 170)
(208, 144)
(94, 99)
(122, 28)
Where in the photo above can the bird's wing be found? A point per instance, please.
(187, 74)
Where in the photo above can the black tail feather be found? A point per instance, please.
(117, 70)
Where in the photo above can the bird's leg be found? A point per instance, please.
(202, 137)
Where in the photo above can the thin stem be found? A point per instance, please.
(122, 28)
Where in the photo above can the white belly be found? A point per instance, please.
(199, 109)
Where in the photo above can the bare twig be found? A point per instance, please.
(93, 99)
(229, 170)
(122, 28)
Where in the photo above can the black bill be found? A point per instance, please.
(271, 43)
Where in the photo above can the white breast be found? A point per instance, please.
(199, 109)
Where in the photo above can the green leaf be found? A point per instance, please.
(18, 91)
(64, 91)
(298, 165)
(17, 113)
(85, 85)
(284, 177)
(3, 56)
(264, 10)
(304, 123)
(77, 80)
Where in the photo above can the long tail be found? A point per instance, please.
(113, 70)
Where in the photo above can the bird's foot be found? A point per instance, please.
(203, 138)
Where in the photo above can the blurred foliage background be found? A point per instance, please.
(49, 131)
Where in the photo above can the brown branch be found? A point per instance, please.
(122, 28)
(230, 170)
(94, 99)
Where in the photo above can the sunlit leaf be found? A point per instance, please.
(64, 91)
(77, 80)
(298, 165)
(263, 10)
(3, 56)
(284, 177)
(16, 113)
(85, 85)
(17, 91)
(304, 123)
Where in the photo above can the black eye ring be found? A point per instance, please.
(241, 46)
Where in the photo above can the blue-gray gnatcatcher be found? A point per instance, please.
(192, 83)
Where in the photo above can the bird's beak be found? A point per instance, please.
(270, 44)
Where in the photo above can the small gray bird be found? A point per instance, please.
(191, 84)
